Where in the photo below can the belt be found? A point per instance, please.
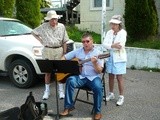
(53, 47)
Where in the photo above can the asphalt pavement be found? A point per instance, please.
(142, 99)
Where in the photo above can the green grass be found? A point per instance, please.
(151, 69)
(151, 43)
(75, 34)
(146, 69)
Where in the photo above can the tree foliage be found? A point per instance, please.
(1, 7)
(28, 11)
(45, 3)
(141, 19)
(154, 19)
(7, 8)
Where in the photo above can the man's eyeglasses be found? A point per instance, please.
(85, 41)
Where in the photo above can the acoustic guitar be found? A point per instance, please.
(61, 77)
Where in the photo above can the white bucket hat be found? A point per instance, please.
(117, 19)
(51, 14)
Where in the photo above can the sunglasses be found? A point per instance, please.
(85, 41)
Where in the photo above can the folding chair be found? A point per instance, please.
(89, 92)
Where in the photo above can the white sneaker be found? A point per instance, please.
(110, 96)
(120, 100)
(61, 95)
(46, 95)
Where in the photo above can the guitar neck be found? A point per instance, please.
(101, 56)
(83, 61)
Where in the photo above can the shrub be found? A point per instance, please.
(154, 17)
(8, 8)
(28, 11)
(141, 19)
(1, 7)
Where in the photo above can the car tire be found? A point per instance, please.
(22, 73)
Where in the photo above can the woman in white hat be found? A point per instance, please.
(53, 37)
(114, 41)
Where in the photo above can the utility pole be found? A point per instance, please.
(103, 22)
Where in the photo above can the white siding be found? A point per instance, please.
(91, 19)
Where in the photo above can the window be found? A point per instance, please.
(56, 3)
(8, 27)
(97, 4)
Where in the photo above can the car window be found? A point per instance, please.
(13, 28)
(2, 29)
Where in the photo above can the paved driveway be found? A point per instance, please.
(142, 98)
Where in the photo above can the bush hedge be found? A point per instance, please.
(1, 7)
(141, 19)
(28, 11)
(7, 8)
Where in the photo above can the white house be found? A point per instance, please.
(90, 13)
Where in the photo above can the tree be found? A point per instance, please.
(1, 7)
(45, 3)
(141, 19)
(7, 8)
(154, 19)
(28, 11)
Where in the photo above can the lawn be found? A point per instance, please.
(75, 34)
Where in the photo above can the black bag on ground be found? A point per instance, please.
(32, 110)
(10, 114)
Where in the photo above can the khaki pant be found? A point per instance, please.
(52, 53)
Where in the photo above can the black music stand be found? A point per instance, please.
(58, 66)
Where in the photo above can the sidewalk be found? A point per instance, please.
(142, 100)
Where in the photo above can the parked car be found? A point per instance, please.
(19, 50)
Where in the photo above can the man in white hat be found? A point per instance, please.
(53, 37)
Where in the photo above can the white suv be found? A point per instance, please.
(18, 52)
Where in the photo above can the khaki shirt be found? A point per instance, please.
(52, 36)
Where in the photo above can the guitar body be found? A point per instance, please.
(61, 77)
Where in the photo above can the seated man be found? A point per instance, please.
(90, 75)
